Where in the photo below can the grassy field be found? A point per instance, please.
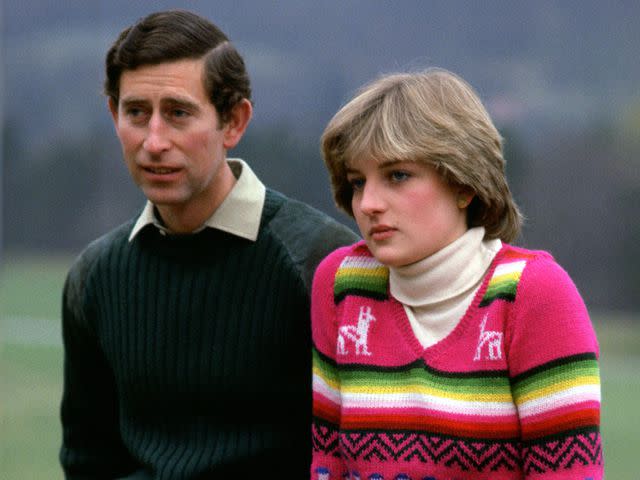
(31, 366)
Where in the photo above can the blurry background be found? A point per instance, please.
(560, 78)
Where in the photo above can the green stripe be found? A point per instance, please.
(404, 379)
(376, 284)
(329, 370)
(423, 378)
(505, 290)
(500, 288)
(556, 375)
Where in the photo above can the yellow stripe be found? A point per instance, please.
(558, 387)
(332, 383)
(513, 276)
(412, 388)
(377, 271)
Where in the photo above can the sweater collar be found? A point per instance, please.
(452, 271)
(239, 213)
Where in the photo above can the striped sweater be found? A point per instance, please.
(511, 393)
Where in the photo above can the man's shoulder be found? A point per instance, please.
(102, 245)
(307, 233)
(84, 264)
(302, 214)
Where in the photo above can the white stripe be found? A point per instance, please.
(427, 402)
(321, 386)
(581, 393)
(360, 262)
(511, 267)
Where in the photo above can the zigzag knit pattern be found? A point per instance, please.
(385, 408)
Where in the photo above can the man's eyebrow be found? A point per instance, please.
(132, 101)
(171, 101)
(180, 102)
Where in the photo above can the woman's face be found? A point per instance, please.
(405, 210)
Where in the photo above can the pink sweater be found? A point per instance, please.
(513, 392)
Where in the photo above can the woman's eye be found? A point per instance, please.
(357, 183)
(399, 176)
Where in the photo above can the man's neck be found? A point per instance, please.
(187, 218)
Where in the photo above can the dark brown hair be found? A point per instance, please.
(175, 35)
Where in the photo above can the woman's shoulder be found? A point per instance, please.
(526, 273)
(533, 263)
(349, 256)
(358, 249)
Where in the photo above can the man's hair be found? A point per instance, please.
(433, 117)
(176, 35)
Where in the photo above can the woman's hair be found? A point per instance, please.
(176, 35)
(433, 117)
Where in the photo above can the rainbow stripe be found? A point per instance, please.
(561, 396)
(363, 276)
(504, 281)
(414, 397)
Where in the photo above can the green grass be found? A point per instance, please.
(32, 285)
(31, 376)
(31, 385)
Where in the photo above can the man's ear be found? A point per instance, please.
(113, 108)
(237, 123)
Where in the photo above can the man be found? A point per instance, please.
(186, 330)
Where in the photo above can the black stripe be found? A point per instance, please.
(359, 292)
(552, 364)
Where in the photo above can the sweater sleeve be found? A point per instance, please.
(326, 381)
(553, 363)
(91, 443)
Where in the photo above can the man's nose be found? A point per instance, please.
(157, 139)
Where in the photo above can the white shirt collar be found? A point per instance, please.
(239, 213)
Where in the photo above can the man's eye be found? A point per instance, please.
(179, 113)
(134, 112)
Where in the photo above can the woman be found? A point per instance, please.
(440, 350)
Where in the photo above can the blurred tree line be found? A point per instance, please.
(578, 188)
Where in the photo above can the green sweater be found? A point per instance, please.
(189, 356)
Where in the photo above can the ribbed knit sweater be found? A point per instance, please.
(188, 356)
(511, 393)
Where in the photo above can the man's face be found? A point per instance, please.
(172, 140)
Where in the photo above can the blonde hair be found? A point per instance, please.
(433, 117)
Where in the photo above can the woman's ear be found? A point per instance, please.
(236, 125)
(464, 197)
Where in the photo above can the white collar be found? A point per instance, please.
(454, 270)
(239, 214)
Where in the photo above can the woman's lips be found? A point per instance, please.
(381, 232)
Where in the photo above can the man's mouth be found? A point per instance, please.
(160, 170)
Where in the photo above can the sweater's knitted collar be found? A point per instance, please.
(239, 213)
(447, 273)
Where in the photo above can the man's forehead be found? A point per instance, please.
(181, 79)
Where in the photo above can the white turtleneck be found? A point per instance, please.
(437, 291)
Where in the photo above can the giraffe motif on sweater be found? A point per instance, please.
(357, 334)
(492, 339)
